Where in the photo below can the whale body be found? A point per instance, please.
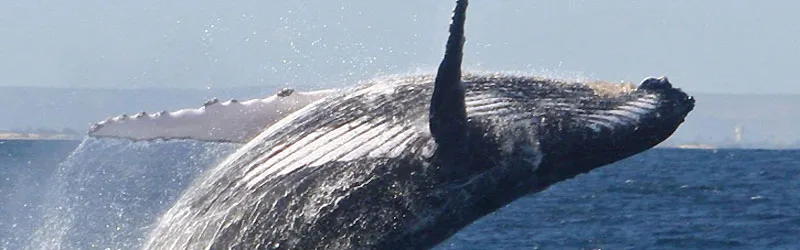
(405, 162)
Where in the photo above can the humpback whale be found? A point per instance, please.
(404, 162)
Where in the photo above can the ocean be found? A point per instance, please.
(104, 194)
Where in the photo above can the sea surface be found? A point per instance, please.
(105, 194)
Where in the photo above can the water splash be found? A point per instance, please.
(108, 191)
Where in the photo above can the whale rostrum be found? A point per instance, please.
(405, 162)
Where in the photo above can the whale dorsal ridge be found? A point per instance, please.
(448, 115)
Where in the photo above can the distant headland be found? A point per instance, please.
(40, 134)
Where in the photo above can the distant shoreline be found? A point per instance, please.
(46, 139)
(11, 136)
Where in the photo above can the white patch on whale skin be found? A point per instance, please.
(296, 155)
(498, 104)
(628, 113)
(227, 121)
(351, 141)
(624, 114)
(396, 142)
(482, 100)
(372, 140)
(597, 124)
(335, 148)
(359, 138)
(611, 119)
(385, 86)
(633, 109)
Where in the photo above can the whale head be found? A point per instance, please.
(525, 134)
(606, 123)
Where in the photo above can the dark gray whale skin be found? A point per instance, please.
(380, 176)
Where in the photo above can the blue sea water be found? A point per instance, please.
(106, 193)
(660, 199)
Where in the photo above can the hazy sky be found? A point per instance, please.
(703, 46)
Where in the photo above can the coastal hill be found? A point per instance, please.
(719, 120)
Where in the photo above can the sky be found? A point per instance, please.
(712, 46)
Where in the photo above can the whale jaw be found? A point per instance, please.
(606, 131)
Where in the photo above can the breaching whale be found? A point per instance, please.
(405, 162)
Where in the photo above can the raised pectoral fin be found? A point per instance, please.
(229, 121)
(448, 116)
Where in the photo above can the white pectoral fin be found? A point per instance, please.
(229, 121)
